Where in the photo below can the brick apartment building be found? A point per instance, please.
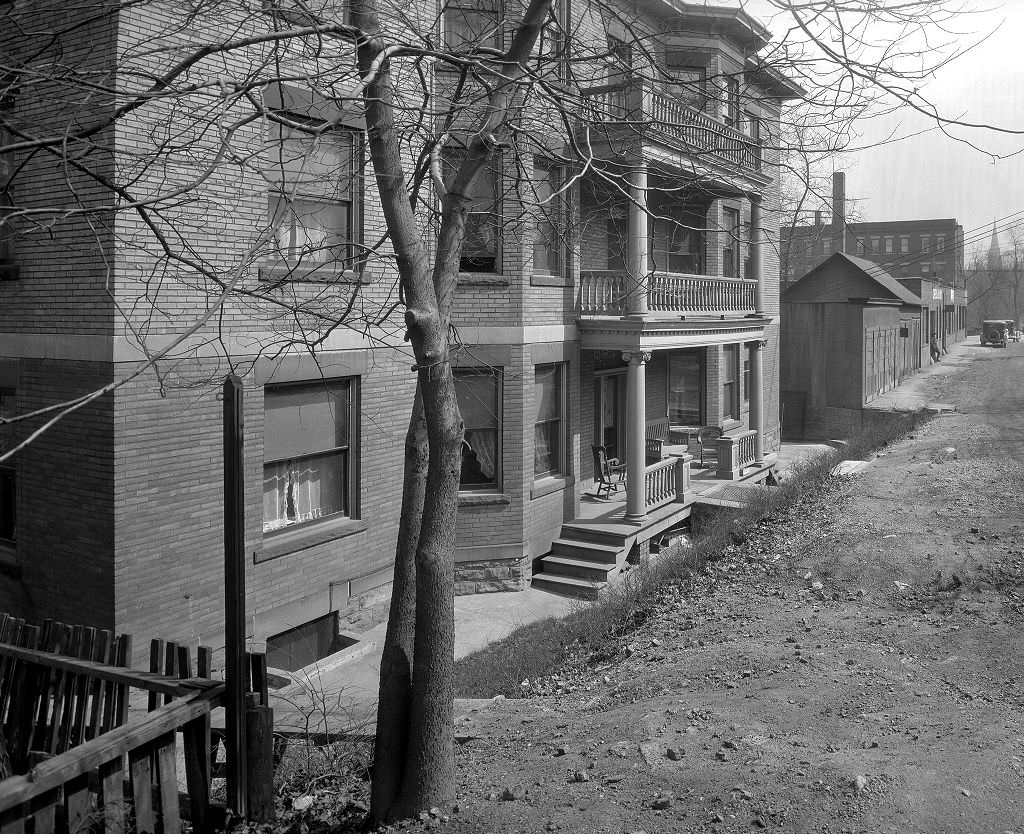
(657, 307)
(931, 249)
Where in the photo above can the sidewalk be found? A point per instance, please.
(916, 392)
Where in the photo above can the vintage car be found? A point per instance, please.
(995, 332)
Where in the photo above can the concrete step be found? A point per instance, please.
(588, 533)
(578, 568)
(568, 586)
(607, 554)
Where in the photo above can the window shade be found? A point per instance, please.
(305, 419)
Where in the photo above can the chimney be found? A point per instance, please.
(839, 211)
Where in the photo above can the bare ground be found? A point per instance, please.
(888, 700)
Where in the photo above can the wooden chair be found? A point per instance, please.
(707, 446)
(609, 474)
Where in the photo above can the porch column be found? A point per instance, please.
(636, 459)
(755, 253)
(757, 357)
(757, 398)
(637, 272)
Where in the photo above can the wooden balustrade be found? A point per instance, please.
(659, 483)
(651, 108)
(735, 453)
(604, 292)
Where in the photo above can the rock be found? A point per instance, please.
(512, 793)
(435, 812)
(860, 784)
(491, 796)
(675, 753)
(662, 801)
(729, 745)
(559, 751)
(758, 822)
(965, 792)
(816, 586)
(302, 803)
(722, 756)
(580, 776)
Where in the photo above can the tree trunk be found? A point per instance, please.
(395, 691)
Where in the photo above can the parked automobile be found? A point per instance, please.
(995, 332)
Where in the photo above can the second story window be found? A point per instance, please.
(940, 242)
(481, 249)
(888, 245)
(731, 243)
(314, 198)
(904, 244)
(689, 82)
(548, 240)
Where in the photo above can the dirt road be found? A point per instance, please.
(887, 700)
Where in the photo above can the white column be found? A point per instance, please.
(757, 359)
(755, 253)
(757, 399)
(636, 459)
(637, 271)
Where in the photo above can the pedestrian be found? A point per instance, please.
(936, 352)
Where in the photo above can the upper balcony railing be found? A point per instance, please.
(606, 293)
(652, 109)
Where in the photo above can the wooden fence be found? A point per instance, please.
(79, 761)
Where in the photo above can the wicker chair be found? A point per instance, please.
(609, 474)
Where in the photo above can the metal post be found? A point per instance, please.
(234, 595)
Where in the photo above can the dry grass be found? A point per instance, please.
(539, 649)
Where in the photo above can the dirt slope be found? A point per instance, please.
(888, 700)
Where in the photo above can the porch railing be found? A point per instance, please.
(606, 293)
(735, 453)
(666, 481)
(648, 106)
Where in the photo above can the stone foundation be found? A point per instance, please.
(491, 575)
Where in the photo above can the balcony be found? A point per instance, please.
(647, 110)
(606, 293)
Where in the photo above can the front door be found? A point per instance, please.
(611, 413)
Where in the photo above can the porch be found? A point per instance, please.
(594, 546)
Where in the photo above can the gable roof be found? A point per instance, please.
(866, 269)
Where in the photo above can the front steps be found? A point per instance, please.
(582, 559)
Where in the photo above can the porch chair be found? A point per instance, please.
(609, 474)
(707, 446)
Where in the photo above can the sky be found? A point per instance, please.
(930, 174)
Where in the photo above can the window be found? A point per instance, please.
(548, 421)
(904, 244)
(732, 101)
(940, 242)
(477, 391)
(875, 241)
(730, 394)
(748, 361)
(861, 247)
(731, 244)
(676, 235)
(620, 75)
(309, 436)
(926, 242)
(548, 240)
(481, 250)
(686, 387)
(826, 245)
(689, 83)
(472, 24)
(313, 204)
(8, 480)
(888, 245)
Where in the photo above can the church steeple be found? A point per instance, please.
(995, 257)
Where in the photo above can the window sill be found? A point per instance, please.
(555, 483)
(283, 542)
(279, 271)
(483, 499)
(551, 281)
(483, 279)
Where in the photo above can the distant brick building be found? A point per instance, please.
(932, 249)
(113, 516)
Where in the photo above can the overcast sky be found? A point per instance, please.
(931, 175)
